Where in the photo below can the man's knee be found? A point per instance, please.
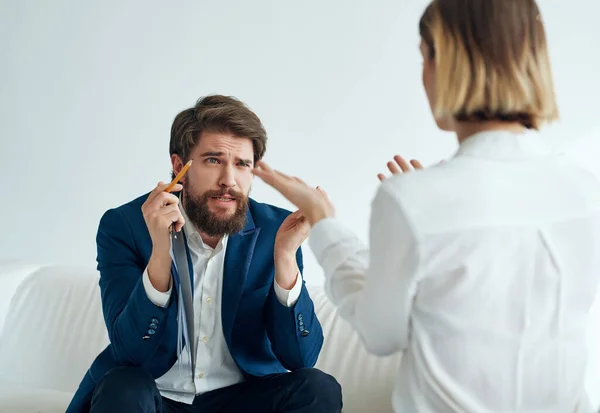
(125, 389)
(325, 389)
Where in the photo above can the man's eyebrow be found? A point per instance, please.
(212, 154)
(217, 154)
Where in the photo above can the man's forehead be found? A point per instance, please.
(224, 142)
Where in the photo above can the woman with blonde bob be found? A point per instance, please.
(481, 270)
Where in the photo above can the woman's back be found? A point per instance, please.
(507, 234)
(482, 270)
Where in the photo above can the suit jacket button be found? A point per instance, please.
(153, 326)
(151, 331)
(300, 317)
(304, 333)
(154, 320)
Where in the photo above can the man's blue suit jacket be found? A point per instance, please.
(263, 336)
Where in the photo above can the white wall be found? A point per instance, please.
(89, 90)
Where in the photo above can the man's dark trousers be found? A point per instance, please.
(132, 390)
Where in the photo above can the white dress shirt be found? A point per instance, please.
(214, 365)
(482, 270)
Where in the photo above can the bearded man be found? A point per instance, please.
(202, 288)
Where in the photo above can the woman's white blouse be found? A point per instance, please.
(482, 270)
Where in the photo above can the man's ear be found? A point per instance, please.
(177, 164)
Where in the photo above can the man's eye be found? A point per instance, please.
(212, 160)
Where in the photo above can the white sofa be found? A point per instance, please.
(51, 328)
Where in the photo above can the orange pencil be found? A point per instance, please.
(179, 176)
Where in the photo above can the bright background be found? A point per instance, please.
(89, 91)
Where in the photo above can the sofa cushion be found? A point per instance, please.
(24, 399)
(367, 381)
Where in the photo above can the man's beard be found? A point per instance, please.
(206, 221)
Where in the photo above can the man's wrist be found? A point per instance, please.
(286, 269)
(317, 216)
(159, 271)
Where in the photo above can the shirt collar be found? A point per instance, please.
(506, 146)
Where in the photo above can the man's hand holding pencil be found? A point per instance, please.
(162, 215)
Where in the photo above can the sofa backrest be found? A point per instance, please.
(12, 273)
(54, 328)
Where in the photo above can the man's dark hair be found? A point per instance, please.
(220, 114)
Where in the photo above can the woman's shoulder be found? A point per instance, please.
(425, 185)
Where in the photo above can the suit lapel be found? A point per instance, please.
(238, 256)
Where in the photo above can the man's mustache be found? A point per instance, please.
(225, 191)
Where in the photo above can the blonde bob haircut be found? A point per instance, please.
(491, 61)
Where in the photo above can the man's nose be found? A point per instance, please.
(227, 178)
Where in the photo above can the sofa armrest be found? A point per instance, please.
(12, 274)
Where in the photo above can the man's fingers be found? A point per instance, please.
(178, 226)
(163, 199)
(168, 209)
(176, 219)
(322, 191)
(158, 198)
(263, 173)
(282, 175)
(276, 179)
(160, 188)
(266, 170)
(273, 179)
(295, 178)
(381, 177)
(269, 178)
(264, 166)
(176, 188)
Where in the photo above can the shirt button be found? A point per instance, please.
(209, 300)
(205, 339)
(201, 375)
